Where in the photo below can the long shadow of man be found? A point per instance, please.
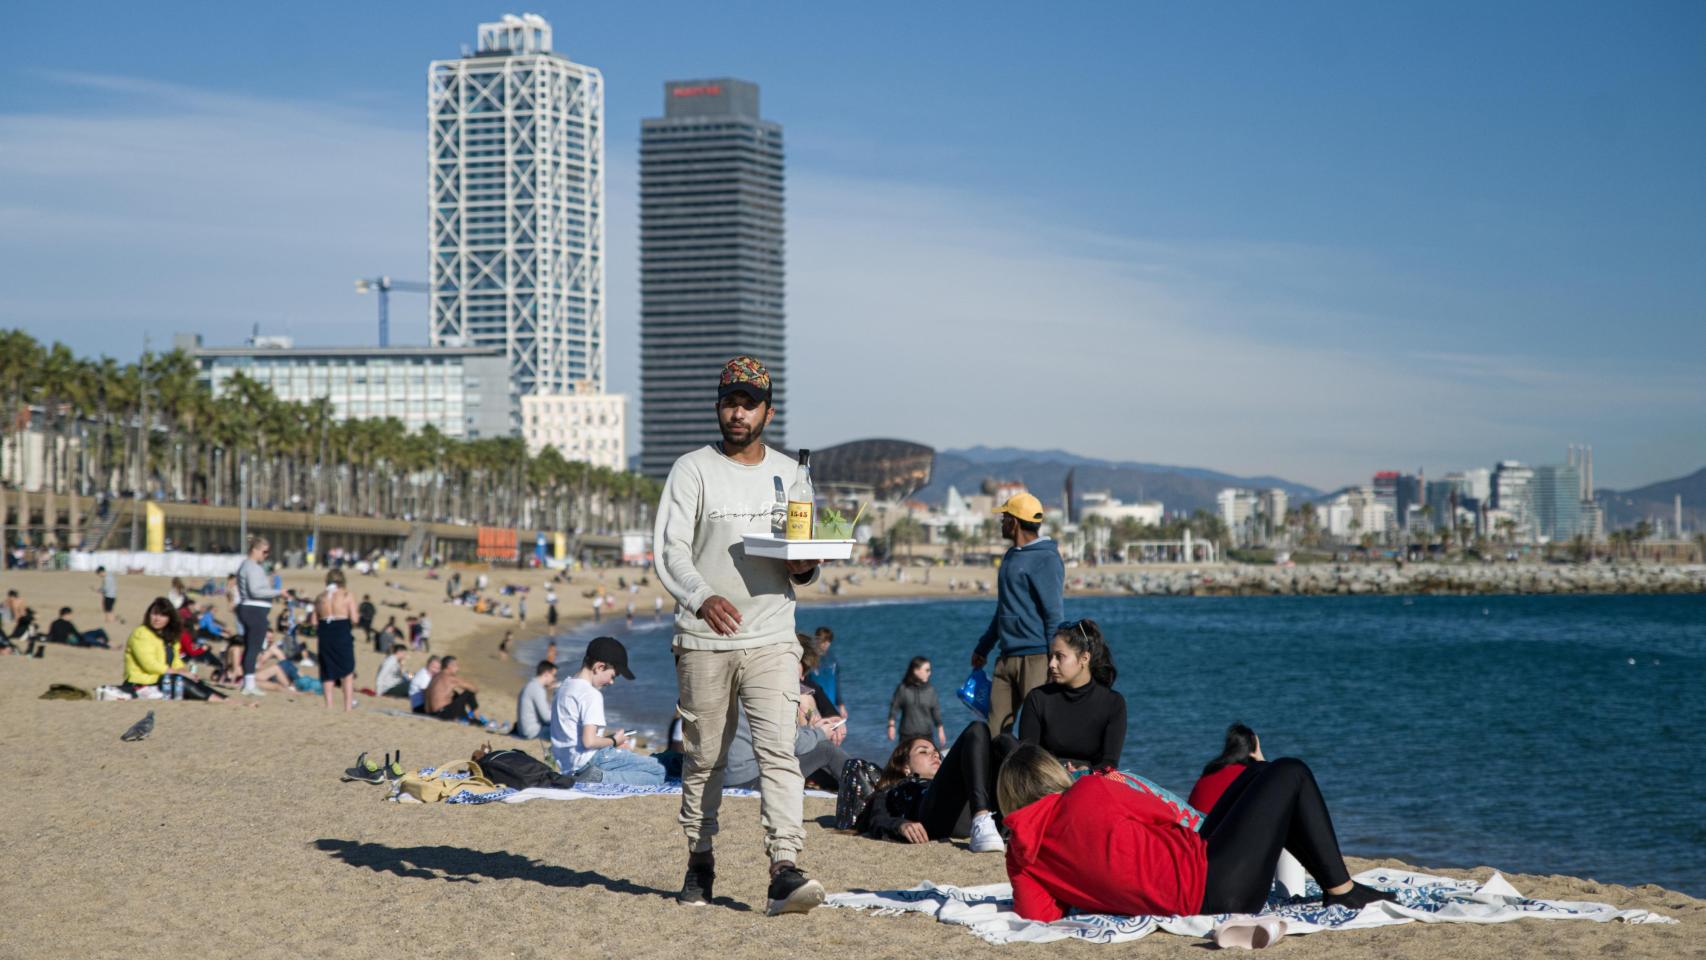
(463, 865)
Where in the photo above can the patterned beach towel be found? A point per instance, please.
(613, 791)
(988, 910)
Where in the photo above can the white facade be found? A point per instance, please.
(463, 393)
(515, 157)
(588, 427)
(1149, 512)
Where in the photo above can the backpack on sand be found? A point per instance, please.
(858, 782)
(513, 768)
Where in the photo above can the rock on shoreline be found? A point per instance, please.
(1433, 579)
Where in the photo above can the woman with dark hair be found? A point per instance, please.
(1095, 845)
(921, 797)
(915, 702)
(1242, 751)
(150, 657)
(1077, 716)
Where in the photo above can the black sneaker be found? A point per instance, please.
(696, 889)
(791, 892)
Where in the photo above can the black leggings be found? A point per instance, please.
(1269, 807)
(965, 781)
(459, 706)
(254, 622)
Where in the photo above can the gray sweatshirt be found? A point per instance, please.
(254, 587)
(743, 762)
(708, 503)
(920, 713)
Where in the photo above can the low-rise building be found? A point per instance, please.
(587, 427)
(1100, 504)
(463, 392)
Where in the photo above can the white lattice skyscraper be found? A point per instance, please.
(516, 196)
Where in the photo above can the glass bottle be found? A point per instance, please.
(800, 501)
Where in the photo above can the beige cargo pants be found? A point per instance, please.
(765, 681)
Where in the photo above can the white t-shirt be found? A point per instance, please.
(417, 687)
(578, 702)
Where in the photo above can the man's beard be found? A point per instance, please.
(754, 433)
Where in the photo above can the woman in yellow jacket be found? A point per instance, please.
(151, 654)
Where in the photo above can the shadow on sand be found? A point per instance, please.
(462, 865)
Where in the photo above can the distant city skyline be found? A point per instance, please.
(1311, 242)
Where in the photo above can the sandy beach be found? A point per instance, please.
(228, 833)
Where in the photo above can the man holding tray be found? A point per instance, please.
(735, 644)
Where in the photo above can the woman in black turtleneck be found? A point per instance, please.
(1077, 715)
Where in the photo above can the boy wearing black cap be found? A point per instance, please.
(577, 718)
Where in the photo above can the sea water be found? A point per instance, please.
(1533, 734)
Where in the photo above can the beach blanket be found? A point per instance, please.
(988, 910)
(615, 791)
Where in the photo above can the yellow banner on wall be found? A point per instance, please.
(559, 546)
(156, 528)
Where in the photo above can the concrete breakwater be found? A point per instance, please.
(1419, 578)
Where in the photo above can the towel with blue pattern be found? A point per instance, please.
(988, 910)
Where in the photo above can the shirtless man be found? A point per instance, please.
(449, 696)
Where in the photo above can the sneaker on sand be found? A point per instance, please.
(791, 892)
(253, 692)
(696, 888)
(985, 837)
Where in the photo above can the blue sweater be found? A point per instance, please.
(1028, 601)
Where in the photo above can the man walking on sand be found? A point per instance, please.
(1028, 608)
(734, 634)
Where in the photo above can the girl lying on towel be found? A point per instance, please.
(1097, 845)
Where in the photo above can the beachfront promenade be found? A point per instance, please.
(228, 833)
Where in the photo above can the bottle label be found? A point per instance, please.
(799, 521)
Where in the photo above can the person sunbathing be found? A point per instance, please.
(922, 797)
(64, 631)
(1095, 844)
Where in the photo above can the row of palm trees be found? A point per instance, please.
(149, 428)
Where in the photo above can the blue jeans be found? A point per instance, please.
(627, 767)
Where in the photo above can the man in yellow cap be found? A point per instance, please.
(1028, 607)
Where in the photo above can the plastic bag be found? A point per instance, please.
(974, 693)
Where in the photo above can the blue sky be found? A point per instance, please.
(1309, 239)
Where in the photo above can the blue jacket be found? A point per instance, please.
(1028, 601)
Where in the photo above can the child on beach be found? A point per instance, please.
(915, 701)
(578, 742)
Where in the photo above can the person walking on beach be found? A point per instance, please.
(255, 594)
(109, 594)
(334, 614)
(914, 710)
(1028, 608)
(735, 644)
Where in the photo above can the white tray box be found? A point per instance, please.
(776, 548)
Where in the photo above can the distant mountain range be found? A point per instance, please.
(1626, 507)
(1043, 472)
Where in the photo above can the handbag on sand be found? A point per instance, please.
(858, 782)
(436, 786)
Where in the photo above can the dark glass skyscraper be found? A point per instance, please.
(711, 276)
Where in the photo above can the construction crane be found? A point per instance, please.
(383, 286)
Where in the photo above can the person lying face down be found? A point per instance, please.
(1095, 844)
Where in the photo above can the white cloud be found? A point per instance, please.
(931, 314)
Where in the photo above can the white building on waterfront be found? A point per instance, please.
(588, 427)
(1100, 504)
(463, 392)
(515, 160)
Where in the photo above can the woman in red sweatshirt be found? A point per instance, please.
(1098, 846)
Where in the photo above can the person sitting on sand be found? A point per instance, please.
(149, 657)
(1077, 716)
(578, 741)
(1242, 753)
(914, 701)
(64, 631)
(921, 797)
(533, 706)
(419, 682)
(392, 679)
(817, 746)
(1098, 846)
(449, 696)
